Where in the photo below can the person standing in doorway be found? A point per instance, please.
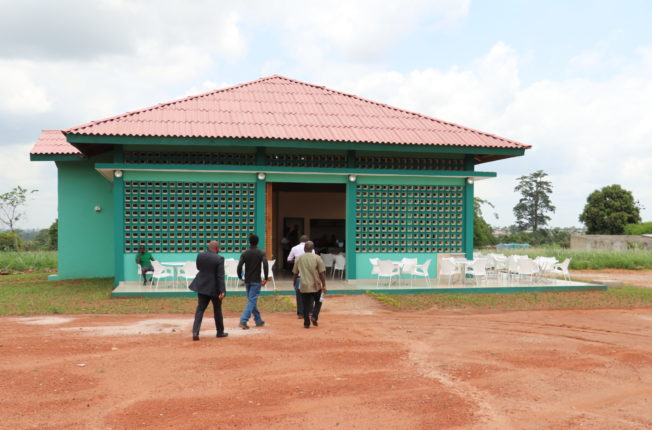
(209, 286)
(144, 258)
(254, 261)
(295, 253)
(311, 268)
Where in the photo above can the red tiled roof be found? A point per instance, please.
(277, 107)
(53, 142)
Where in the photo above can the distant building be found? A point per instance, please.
(273, 157)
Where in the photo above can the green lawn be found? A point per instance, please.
(614, 298)
(33, 294)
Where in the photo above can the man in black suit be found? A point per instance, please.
(209, 286)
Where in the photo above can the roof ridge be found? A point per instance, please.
(160, 105)
(403, 110)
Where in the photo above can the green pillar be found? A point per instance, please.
(469, 165)
(350, 230)
(118, 211)
(260, 211)
(119, 221)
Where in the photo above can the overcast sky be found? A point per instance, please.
(572, 79)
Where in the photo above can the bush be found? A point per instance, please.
(554, 237)
(637, 229)
(7, 241)
(593, 260)
(27, 260)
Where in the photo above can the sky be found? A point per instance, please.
(572, 79)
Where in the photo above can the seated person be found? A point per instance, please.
(144, 258)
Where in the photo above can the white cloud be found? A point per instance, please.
(19, 93)
(585, 133)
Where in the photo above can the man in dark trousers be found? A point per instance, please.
(254, 261)
(209, 286)
(311, 268)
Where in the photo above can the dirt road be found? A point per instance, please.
(638, 278)
(425, 370)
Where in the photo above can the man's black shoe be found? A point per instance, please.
(306, 326)
(222, 335)
(314, 322)
(260, 324)
(195, 337)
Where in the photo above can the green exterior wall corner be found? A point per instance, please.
(86, 236)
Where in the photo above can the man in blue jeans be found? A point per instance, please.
(254, 261)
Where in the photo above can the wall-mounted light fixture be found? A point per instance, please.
(261, 176)
(352, 178)
(98, 208)
(469, 181)
(117, 173)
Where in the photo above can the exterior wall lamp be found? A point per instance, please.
(117, 173)
(470, 181)
(98, 208)
(352, 178)
(261, 176)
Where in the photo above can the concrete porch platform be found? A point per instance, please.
(360, 286)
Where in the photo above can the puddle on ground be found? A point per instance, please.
(164, 326)
(45, 320)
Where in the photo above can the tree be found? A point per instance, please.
(609, 210)
(11, 204)
(531, 209)
(53, 232)
(482, 231)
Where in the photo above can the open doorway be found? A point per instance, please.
(316, 210)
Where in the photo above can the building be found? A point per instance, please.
(269, 157)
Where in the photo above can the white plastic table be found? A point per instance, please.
(175, 267)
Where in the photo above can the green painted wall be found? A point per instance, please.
(86, 240)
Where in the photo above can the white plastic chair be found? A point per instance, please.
(545, 265)
(449, 268)
(562, 269)
(329, 260)
(512, 266)
(270, 271)
(374, 266)
(188, 272)
(421, 270)
(409, 266)
(340, 264)
(388, 269)
(527, 267)
(140, 273)
(231, 271)
(161, 272)
(477, 269)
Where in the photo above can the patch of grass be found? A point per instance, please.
(593, 260)
(12, 261)
(33, 294)
(615, 298)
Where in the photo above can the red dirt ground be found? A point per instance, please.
(435, 369)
